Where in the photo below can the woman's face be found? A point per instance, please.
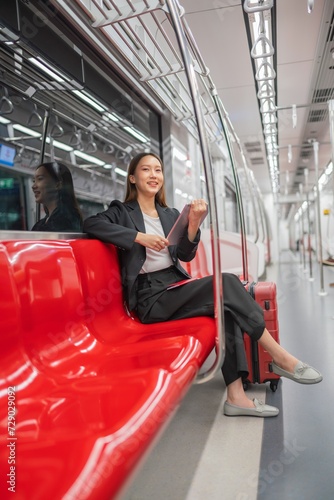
(148, 176)
(45, 188)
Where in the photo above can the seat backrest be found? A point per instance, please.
(100, 276)
(198, 266)
(50, 300)
(9, 307)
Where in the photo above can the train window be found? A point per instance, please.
(83, 112)
(89, 207)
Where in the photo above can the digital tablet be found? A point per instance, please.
(176, 233)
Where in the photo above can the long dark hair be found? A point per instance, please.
(131, 190)
(66, 196)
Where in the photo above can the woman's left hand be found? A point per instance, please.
(197, 209)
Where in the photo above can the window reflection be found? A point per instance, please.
(53, 190)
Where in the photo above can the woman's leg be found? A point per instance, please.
(284, 360)
(286, 365)
(280, 356)
(235, 390)
(236, 395)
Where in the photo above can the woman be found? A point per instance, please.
(53, 188)
(148, 264)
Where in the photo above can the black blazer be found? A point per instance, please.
(119, 225)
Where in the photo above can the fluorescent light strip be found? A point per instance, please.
(26, 130)
(4, 120)
(329, 169)
(59, 145)
(136, 134)
(89, 100)
(89, 158)
(179, 155)
(121, 172)
(111, 116)
(43, 65)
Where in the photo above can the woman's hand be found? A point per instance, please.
(151, 241)
(197, 209)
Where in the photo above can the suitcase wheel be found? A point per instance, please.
(273, 385)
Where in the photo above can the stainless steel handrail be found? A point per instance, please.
(315, 145)
(42, 153)
(217, 278)
(224, 121)
(237, 193)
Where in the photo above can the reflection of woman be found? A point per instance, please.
(138, 227)
(53, 188)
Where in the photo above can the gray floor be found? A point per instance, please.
(297, 459)
(205, 455)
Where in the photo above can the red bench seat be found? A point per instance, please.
(94, 386)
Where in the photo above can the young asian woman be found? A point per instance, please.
(149, 265)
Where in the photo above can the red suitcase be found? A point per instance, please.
(259, 360)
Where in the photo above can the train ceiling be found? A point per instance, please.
(302, 37)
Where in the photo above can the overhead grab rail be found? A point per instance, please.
(128, 12)
(268, 72)
(148, 47)
(258, 7)
(265, 90)
(217, 281)
(265, 44)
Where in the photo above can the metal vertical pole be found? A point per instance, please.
(331, 128)
(41, 154)
(44, 135)
(217, 278)
(304, 243)
(223, 117)
(237, 188)
(300, 241)
(316, 163)
(303, 232)
(309, 238)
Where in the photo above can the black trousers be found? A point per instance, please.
(155, 302)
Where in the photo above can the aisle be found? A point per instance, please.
(297, 458)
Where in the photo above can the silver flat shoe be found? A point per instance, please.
(260, 410)
(303, 373)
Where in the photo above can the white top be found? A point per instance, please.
(155, 260)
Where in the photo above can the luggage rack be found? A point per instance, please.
(143, 33)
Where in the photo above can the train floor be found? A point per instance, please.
(206, 455)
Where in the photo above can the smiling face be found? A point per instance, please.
(148, 177)
(45, 188)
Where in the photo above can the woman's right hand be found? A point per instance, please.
(152, 241)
